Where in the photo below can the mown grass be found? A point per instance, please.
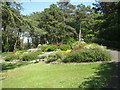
(43, 75)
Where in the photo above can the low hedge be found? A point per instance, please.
(43, 47)
(20, 55)
(6, 53)
(30, 56)
(65, 47)
(88, 55)
(58, 56)
(51, 48)
(11, 57)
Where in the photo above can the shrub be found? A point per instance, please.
(14, 52)
(29, 56)
(58, 56)
(38, 52)
(88, 55)
(69, 40)
(6, 53)
(27, 46)
(43, 47)
(51, 48)
(94, 45)
(77, 48)
(44, 55)
(10, 57)
(51, 58)
(23, 55)
(65, 47)
(78, 44)
(57, 44)
(108, 43)
(16, 49)
(20, 52)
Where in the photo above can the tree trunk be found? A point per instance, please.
(15, 44)
(79, 37)
(23, 43)
(7, 43)
(44, 39)
(4, 28)
(39, 39)
(28, 43)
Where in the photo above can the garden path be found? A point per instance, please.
(115, 54)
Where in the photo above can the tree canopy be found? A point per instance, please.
(61, 22)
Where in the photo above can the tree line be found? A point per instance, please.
(61, 22)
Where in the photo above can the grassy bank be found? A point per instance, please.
(43, 75)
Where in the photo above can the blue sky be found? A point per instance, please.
(30, 7)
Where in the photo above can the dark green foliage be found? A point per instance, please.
(69, 40)
(30, 56)
(21, 55)
(6, 53)
(60, 23)
(27, 46)
(12, 22)
(108, 43)
(16, 49)
(10, 57)
(110, 24)
(65, 47)
(88, 55)
(51, 48)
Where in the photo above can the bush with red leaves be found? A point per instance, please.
(14, 52)
(77, 48)
(57, 44)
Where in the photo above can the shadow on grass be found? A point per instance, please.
(7, 66)
(107, 76)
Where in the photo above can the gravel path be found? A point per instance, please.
(115, 54)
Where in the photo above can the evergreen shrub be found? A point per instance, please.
(51, 48)
(65, 47)
(90, 53)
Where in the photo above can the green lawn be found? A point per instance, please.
(43, 75)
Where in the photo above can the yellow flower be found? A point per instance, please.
(67, 51)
